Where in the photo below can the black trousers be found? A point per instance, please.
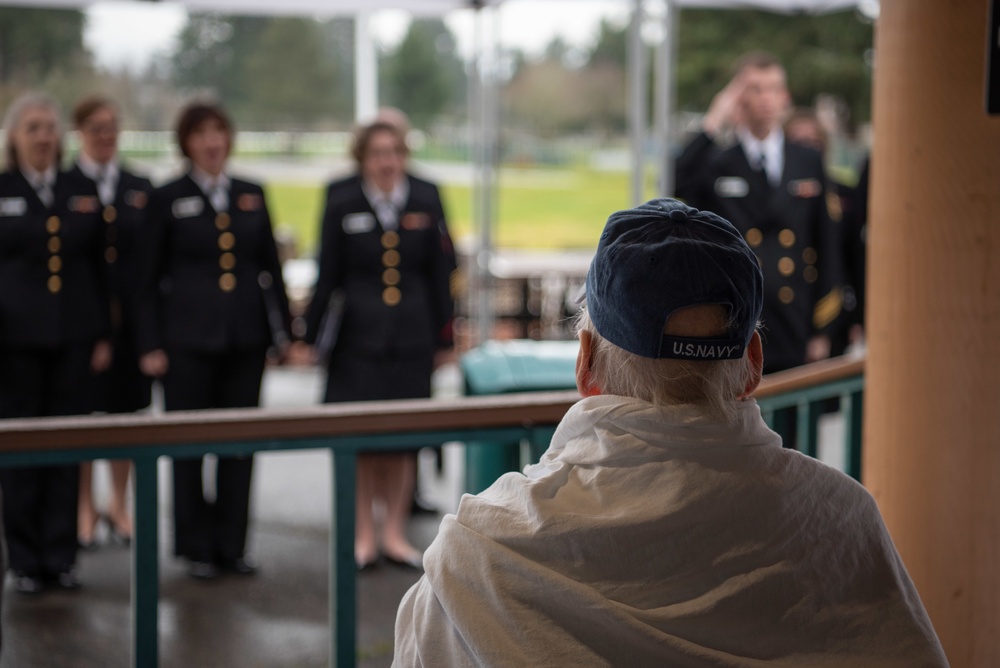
(212, 530)
(39, 509)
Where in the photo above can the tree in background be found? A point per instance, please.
(424, 76)
(43, 49)
(822, 54)
(825, 54)
(268, 72)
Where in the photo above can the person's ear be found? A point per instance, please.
(755, 352)
(584, 364)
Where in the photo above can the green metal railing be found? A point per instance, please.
(806, 393)
(345, 430)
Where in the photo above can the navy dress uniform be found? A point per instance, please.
(54, 307)
(787, 224)
(212, 297)
(394, 281)
(124, 203)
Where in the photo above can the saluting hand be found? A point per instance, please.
(154, 363)
(724, 112)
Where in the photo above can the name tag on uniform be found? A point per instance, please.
(357, 223)
(249, 202)
(805, 188)
(415, 221)
(731, 186)
(136, 199)
(187, 207)
(83, 204)
(13, 206)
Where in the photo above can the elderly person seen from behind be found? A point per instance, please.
(666, 525)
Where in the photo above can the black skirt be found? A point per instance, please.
(355, 377)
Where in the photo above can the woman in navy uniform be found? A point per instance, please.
(212, 301)
(386, 250)
(123, 387)
(54, 323)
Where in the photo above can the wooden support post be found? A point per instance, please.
(932, 407)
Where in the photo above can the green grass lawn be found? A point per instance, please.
(537, 208)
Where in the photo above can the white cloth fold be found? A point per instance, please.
(650, 536)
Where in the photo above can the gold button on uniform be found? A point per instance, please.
(390, 258)
(786, 295)
(810, 274)
(110, 214)
(227, 240)
(222, 221)
(54, 284)
(110, 255)
(52, 224)
(390, 239)
(754, 237)
(787, 238)
(54, 244)
(391, 296)
(786, 266)
(227, 282)
(227, 261)
(809, 255)
(390, 277)
(55, 264)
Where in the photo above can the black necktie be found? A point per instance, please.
(762, 168)
(44, 191)
(219, 198)
(105, 189)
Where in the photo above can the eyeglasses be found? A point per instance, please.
(100, 129)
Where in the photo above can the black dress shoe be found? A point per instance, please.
(86, 545)
(414, 560)
(241, 566)
(203, 570)
(28, 584)
(68, 580)
(422, 506)
(119, 537)
(366, 566)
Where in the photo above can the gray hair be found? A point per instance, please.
(712, 385)
(16, 110)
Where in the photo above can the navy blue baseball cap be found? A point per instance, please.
(663, 256)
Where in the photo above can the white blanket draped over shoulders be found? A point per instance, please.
(654, 536)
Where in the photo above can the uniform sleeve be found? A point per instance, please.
(828, 302)
(692, 177)
(330, 265)
(101, 270)
(444, 273)
(129, 289)
(152, 242)
(272, 283)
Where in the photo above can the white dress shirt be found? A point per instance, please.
(387, 206)
(771, 148)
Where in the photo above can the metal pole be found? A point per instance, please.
(343, 587)
(365, 68)
(665, 69)
(486, 118)
(145, 564)
(638, 89)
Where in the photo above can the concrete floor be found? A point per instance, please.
(278, 618)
